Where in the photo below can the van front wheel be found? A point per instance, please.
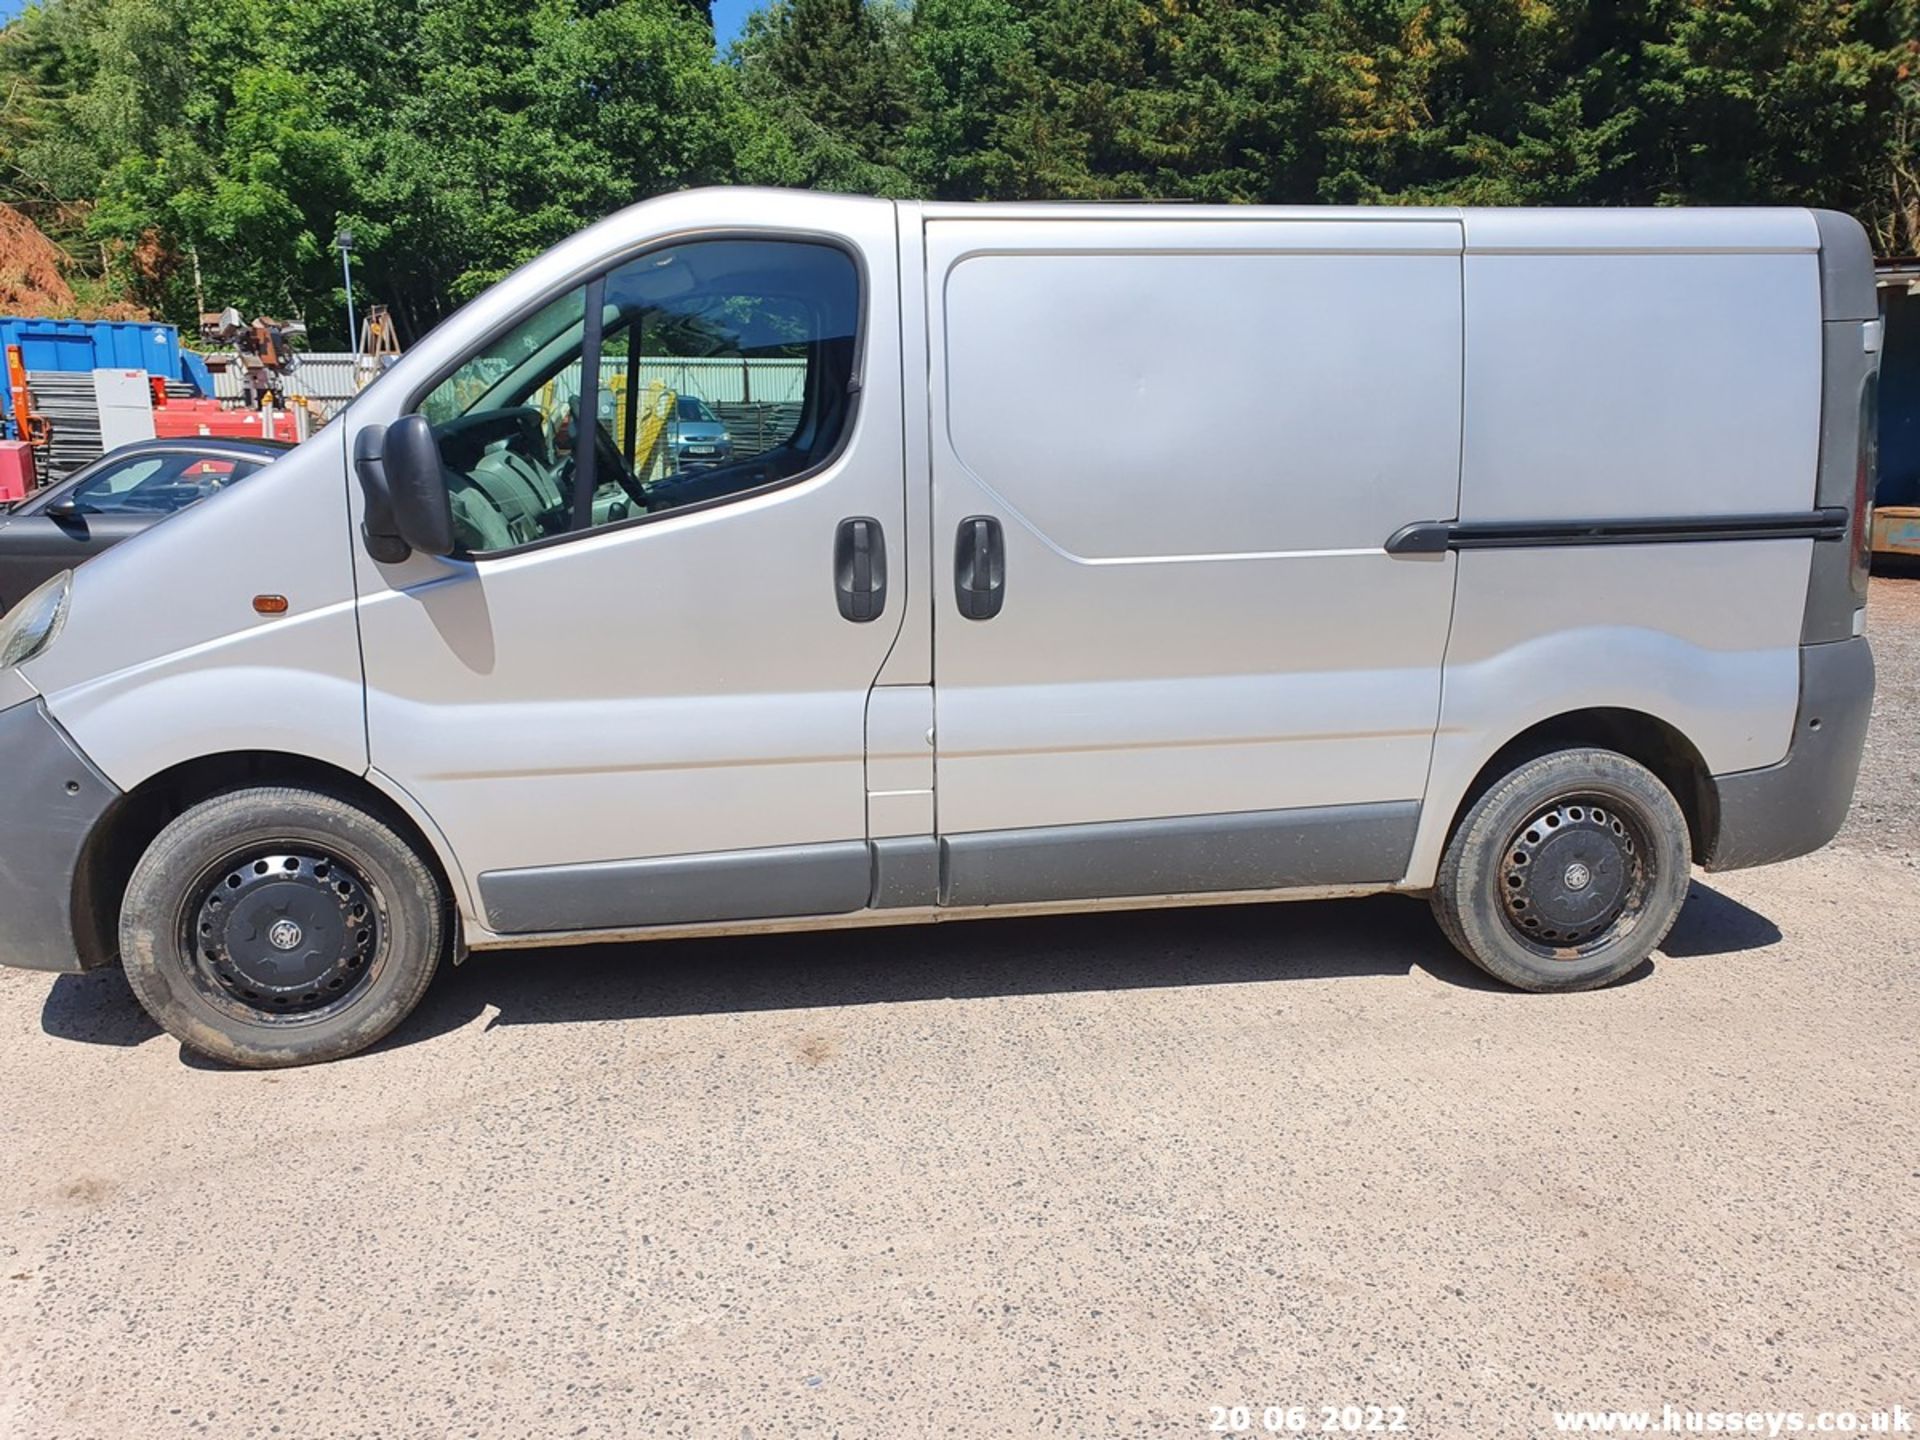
(1567, 873)
(274, 927)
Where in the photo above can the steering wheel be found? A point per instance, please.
(607, 460)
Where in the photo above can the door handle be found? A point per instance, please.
(979, 567)
(860, 569)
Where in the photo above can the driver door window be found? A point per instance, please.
(719, 368)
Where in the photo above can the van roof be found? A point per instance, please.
(1489, 230)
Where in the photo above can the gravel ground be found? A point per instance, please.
(1075, 1177)
(1886, 807)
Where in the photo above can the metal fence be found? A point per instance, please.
(716, 381)
(324, 380)
(720, 381)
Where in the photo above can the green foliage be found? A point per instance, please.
(830, 77)
(969, 64)
(457, 138)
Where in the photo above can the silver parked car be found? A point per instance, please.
(1116, 556)
(700, 440)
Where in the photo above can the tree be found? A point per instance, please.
(1783, 100)
(971, 64)
(520, 124)
(460, 137)
(832, 75)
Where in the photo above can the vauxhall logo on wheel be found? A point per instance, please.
(285, 935)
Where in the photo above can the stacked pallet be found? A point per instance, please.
(73, 413)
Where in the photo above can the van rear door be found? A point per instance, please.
(1172, 655)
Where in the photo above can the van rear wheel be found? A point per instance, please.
(1566, 873)
(274, 927)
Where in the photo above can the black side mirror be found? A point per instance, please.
(63, 509)
(408, 507)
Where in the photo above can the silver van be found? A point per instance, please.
(1085, 557)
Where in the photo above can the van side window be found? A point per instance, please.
(720, 367)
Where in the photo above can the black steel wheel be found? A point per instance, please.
(1575, 877)
(285, 938)
(1566, 873)
(282, 926)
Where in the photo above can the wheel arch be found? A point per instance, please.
(1651, 741)
(149, 807)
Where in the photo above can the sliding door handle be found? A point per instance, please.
(860, 569)
(979, 567)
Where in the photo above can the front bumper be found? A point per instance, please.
(52, 800)
(1798, 805)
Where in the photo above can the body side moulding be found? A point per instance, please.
(1276, 851)
(826, 879)
(906, 872)
(1434, 537)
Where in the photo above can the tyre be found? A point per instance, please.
(275, 927)
(1566, 873)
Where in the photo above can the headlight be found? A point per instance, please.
(31, 626)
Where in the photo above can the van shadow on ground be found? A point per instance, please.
(1215, 945)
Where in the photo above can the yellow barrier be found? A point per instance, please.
(656, 415)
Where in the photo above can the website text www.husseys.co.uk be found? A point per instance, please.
(1669, 1420)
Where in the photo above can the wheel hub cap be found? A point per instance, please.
(1570, 873)
(287, 933)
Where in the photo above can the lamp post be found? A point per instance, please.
(343, 242)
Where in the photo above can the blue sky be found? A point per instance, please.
(728, 16)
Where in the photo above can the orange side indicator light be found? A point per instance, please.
(270, 604)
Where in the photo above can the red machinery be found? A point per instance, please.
(205, 417)
(264, 349)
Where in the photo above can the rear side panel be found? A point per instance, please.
(1627, 367)
(1626, 386)
(1799, 803)
(1838, 592)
